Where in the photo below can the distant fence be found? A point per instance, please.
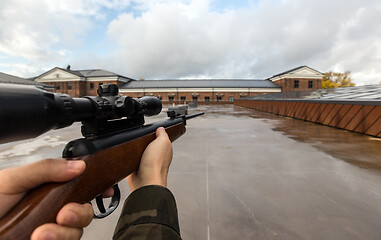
(357, 116)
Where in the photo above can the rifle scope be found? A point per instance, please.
(29, 111)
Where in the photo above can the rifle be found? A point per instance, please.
(113, 130)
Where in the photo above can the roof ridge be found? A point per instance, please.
(206, 79)
(199, 83)
(291, 70)
(96, 69)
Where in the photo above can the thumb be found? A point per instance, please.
(21, 179)
(160, 132)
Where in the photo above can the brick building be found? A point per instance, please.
(299, 79)
(78, 83)
(202, 90)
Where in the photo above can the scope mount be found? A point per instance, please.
(113, 113)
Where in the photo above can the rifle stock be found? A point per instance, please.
(103, 169)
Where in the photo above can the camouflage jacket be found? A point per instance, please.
(149, 213)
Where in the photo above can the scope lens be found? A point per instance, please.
(28, 111)
(150, 106)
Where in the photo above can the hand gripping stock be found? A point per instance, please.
(104, 169)
(115, 138)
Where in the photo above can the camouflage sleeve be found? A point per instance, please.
(149, 213)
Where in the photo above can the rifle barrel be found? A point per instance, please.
(193, 115)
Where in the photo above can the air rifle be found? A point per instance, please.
(114, 139)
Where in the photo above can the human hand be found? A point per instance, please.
(154, 165)
(16, 182)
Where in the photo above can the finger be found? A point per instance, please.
(75, 215)
(160, 132)
(54, 231)
(19, 179)
(162, 139)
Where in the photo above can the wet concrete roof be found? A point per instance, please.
(240, 173)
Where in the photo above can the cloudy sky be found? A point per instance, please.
(158, 39)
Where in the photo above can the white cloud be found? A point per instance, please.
(49, 30)
(177, 40)
(35, 31)
(23, 70)
(84, 7)
(181, 39)
(194, 38)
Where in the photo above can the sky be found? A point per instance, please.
(180, 39)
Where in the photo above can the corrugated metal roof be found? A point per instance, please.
(95, 73)
(6, 78)
(201, 83)
(368, 92)
(361, 92)
(88, 73)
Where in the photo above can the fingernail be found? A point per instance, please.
(48, 236)
(75, 165)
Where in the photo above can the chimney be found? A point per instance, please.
(68, 67)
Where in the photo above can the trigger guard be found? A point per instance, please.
(112, 206)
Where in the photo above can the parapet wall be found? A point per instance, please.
(357, 116)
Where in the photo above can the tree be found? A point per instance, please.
(335, 80)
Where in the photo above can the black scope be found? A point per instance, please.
(29, 111)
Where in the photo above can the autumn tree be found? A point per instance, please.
(335, 80)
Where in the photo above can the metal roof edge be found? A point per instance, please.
(294, 69)
(375, 102)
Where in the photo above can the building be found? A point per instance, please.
(202, 90)
(78, 83)
(299, 79)
(6, 78)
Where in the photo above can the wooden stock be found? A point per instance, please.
(103, 169)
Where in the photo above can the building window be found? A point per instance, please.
(310, 84)
(58, 86)
(207, 99)
(170, 98)
(69, 86)
(219, 99)
(296, 83)
(194, 99)
(231, 99)
(182, 98)
(91, 86)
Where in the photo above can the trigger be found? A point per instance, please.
(112, 206)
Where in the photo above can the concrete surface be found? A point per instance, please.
(242, 174)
